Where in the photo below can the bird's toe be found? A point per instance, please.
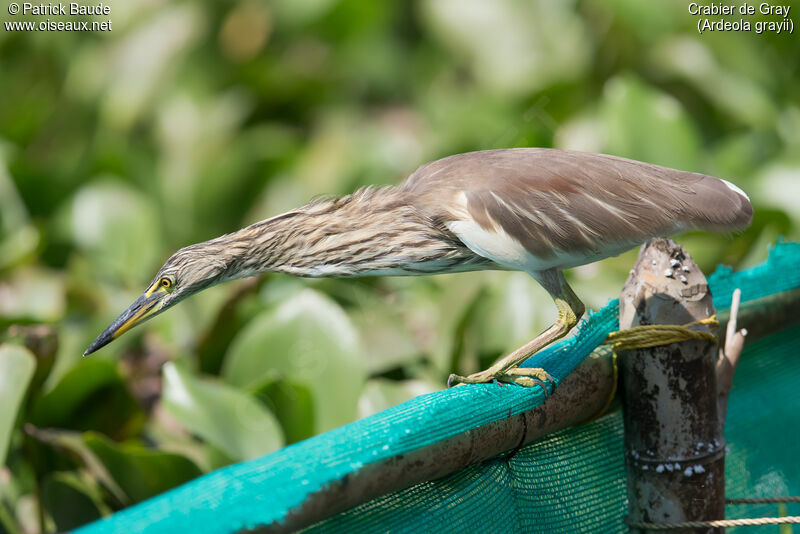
(522, 376)
(535, 372)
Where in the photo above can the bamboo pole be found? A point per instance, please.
(674, 447)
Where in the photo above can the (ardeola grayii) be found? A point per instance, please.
(529, 209)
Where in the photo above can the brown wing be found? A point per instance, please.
(557, 200)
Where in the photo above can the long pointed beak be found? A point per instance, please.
(141, 310)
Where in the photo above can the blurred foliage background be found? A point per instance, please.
(192, 119)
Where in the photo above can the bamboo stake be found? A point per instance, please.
(675, 451)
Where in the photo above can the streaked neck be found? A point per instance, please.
(371, 232)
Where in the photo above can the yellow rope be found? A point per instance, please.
(615, 371)
(722, 523)
(719, 523)
(654, 335)
(763, 500)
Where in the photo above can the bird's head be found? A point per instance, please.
(188, 271)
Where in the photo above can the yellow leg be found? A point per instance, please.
(570, 309)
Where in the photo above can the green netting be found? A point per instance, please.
(572, 480)
(763, 427)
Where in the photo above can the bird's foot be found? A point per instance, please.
(523, 376)
(529, 377)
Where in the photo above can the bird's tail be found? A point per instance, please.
(722, 206)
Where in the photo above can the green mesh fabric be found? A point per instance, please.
(570, 481)
(574, 480)
(763, 428)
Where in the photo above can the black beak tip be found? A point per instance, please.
(142, 304)
(102, 340)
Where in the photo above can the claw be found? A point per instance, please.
(450, 380)
(523, 376)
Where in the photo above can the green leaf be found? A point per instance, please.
(490, 34)
(141, 473)
(116, 226)
(292, 404)
(68, 500)
(737, 95)
(230, 318)
(17, 366)
(441, 315)
(307, 340)
(778, 186)
(17, 245)
(388, 342)
(90, 396)
(18, 237)
(32, 295)
(645, 124)
(130, 472)
(380, 394)
(226, 417)
(513, 309)
(73, 443)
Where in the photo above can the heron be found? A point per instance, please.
(535, 210)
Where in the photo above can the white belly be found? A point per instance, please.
(501, 248)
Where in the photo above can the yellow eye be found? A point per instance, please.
(165, 283)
